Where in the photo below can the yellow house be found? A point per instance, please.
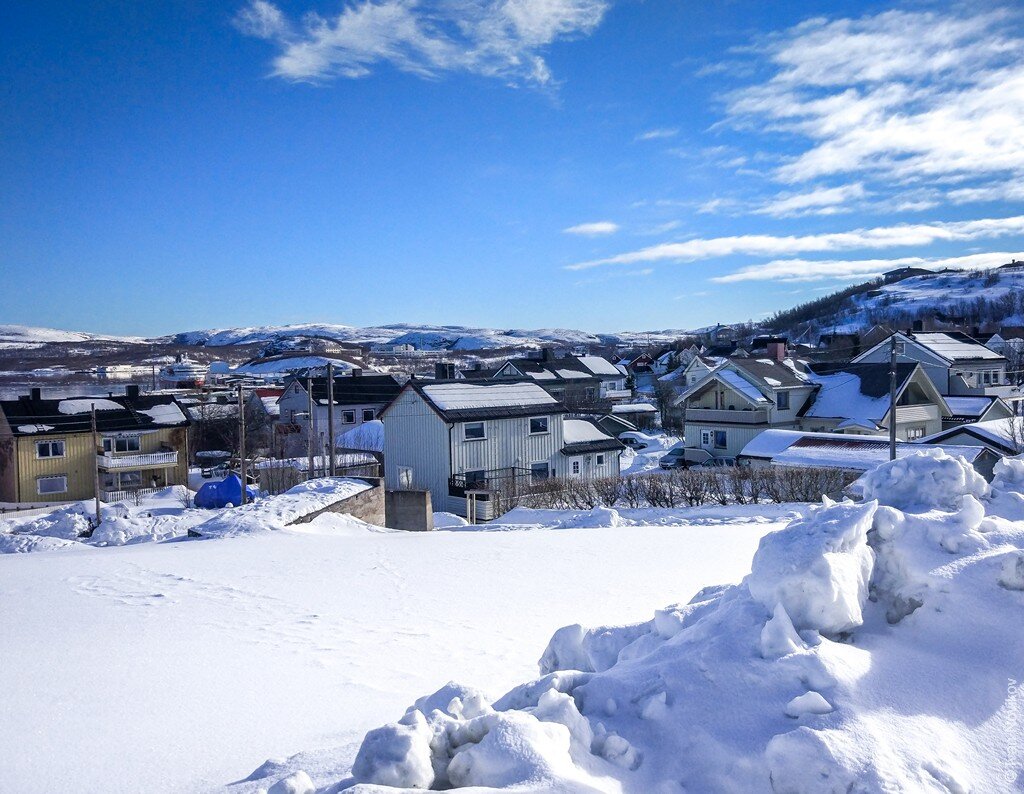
(48, 453)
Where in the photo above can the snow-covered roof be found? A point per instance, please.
(955, 347)
(576, 431)
(969, 406)
(464, 396)
(368, 436)
(599, 366)
(634, 408)
(1007, 433)
(83, 405)
(164, 414)
(742, 385)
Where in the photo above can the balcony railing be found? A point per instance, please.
(753, 417)
(492, 480)
(141, 461)
(119, 496)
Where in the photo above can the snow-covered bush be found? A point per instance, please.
(794, 680)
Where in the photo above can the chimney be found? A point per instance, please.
(547, 354)
(444, 370)
(777, 348)
(35, 394)
(131, 391)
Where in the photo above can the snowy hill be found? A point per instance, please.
(993, 296)
(29, 336)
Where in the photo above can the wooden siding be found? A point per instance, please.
(416, 437)
(79, 462)
(508, 444)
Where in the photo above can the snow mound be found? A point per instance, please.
(277, 512)
(838, 664)
(449, 521)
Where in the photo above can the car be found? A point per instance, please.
(675, 458)
(718, 463)
(630, 440)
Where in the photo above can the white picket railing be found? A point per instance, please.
(120, 496)
(141, 461)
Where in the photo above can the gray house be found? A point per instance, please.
(486, 441)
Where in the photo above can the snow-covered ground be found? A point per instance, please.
(645, 461)
(184, 665)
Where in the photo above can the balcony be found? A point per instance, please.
(491, 481)
(756, 416)
(152, 460)
(927, 412)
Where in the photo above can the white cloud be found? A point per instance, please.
(495, 38)
(905, 97)
(775, 245)
(820, 201)
(593, 229)
(818, 270)
(658, 134)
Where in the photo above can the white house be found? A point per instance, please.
(489, 439)
(956, 363)
(738, 400)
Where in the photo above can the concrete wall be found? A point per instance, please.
(409, 510)
(367, 506)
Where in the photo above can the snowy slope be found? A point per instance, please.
(29, 336)
(183, 666)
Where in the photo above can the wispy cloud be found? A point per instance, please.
(905, 97)
(660, 133)
(820, 201)
(788, 270)
(594, 229)
(775, 245)
(495, 38)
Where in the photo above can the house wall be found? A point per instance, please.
(8, 463)
(737, 437)
(509, 444)
(589, 467)
(417, 438)
(296, 401)
(79, 463)
(934, 367)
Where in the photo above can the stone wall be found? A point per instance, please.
(409, 510)
(366, 505)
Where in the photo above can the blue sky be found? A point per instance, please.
(598, 164)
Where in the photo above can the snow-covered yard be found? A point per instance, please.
(184, 665)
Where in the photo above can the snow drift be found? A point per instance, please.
(873, 647)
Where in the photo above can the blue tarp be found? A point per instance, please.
(227, 491)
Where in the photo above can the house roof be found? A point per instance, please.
(955, 346)
(583, 436)
(969, 407)
(855, 391)
(1003, 434)
(358, 390)
(566, 368)
(774, 373)
(28, 416)
(458, 401)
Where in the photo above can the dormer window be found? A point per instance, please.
(782, 400)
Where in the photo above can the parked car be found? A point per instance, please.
(632, 440)
(675, 458)
(717, 463)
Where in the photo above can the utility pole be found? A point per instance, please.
(95, 462)
(330, 414)
(310, 474)
(241, 440)
(892, 397)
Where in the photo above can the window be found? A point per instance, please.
(476, 479)
(721, 439)
(49, 449)
(995, 376)
(348, 417)
(130, 479)
(782, 400)
(539, 471)
(988, 377)
(122, 444)
(914, 433)
(575, 467)
(705, 438)
(600, 460)
(368, 415)
(51, 485)
(473, 431)
(538, 424)
(404, 477)
(591, 394)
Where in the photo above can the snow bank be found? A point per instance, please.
(277, 512)
(838, 664)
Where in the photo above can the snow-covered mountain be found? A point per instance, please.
(29, 336)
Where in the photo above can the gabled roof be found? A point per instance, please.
(776, 374)
(949, 346)
(566, 368)
(859, 393)
(1001, 434)
(459, 401)
(28, 416)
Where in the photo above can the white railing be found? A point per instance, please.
(120, 496)
(756, 416)
(142, 461)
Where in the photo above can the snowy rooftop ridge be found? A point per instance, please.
(468, 396)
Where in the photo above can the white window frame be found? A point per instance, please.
(547, 425)
(50, 445)
(706, 438)
(916, 432)
(600, 460)
(369, 412)
(110, 444)
(126, 480)
(534, 470)
(575, 467)
(465, 431)
(348, 417)
(39, 484)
